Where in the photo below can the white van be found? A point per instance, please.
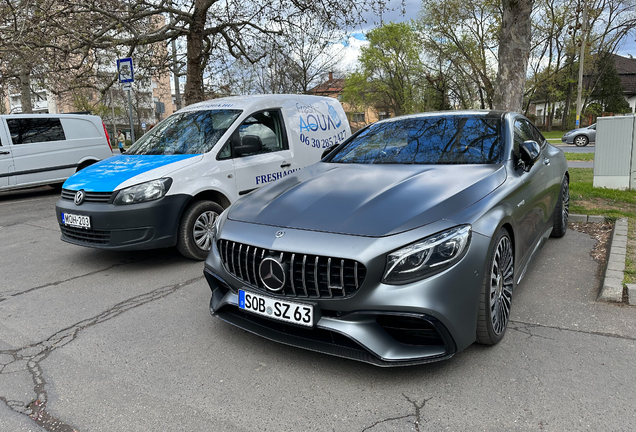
(170, 186)
(46, 149)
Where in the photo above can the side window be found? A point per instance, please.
(538, 136)
(266, 125)
(34, 130)
(523, 132)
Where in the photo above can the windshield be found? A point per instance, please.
(450, 139)
(190, 132)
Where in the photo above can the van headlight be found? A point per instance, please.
(427, 257)
(143, 192)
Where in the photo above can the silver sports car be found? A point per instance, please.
(402, 246)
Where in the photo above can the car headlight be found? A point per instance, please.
(143, 192)
(427, 257)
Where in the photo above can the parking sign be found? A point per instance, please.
(125, 69)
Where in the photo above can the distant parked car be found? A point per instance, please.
(580, 137)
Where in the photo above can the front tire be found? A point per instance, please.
(581, 141)
(496, 291)
(194, 238)
(561, 211)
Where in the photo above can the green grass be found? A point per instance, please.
(579, 156)
(553, 135)
(586, 199)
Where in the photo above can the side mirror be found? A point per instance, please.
(249, 144)
(529, 152)
(328, 150)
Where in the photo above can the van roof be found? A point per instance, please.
(255, 102)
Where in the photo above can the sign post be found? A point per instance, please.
(126, 78)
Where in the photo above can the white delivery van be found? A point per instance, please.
(170, 186)
(46, 149)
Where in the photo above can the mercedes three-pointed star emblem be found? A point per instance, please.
(272, 274)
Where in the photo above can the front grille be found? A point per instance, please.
(100, 197)
(86, 236)
(311, 276)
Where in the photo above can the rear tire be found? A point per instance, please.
(561, 211)
(581, 141)
(194, 237)
(496, 291)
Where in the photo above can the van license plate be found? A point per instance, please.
(296, 313)
(77, 221)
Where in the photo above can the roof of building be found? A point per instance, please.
(330, 86)
(626, 69)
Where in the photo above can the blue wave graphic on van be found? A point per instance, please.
(106, 175)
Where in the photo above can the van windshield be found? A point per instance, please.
(190, 132)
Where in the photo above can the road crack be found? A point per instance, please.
(29, 358)
(417, 414)
(590, 332)
(56, 283)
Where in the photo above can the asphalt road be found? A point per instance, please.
(571, 148)
(125, 342)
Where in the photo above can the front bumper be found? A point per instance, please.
(147, 225)
(385, 325)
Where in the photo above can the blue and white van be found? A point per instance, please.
(171, 185)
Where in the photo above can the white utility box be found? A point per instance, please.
(615, 152)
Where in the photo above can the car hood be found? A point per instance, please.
(368, 200)
(125, 170)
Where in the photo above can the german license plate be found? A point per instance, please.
(78, 221)
(282, 310)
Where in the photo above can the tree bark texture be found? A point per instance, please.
(25, 92)
(194, 74)
(514, 51)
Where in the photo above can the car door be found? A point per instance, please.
(6, 158)
(273, 161)
(533, 207)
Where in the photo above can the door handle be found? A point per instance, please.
(285, 165)
(4, 152)
(546, 161)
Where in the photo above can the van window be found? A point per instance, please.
(267, 126)
(34, 130)
(190, 132)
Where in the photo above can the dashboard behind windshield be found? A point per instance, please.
(190, 132)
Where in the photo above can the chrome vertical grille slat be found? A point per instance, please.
(328, 277)
(291, 275)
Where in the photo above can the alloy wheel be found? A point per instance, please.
(580, 141)
(501, 283)
(203, 230)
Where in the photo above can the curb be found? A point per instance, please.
(585, 218)
(612, 289)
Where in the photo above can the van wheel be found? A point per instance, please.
(194, 238)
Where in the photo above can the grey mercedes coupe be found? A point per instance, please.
(402, 246)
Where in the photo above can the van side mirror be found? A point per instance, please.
(328, 150)
(529, 152)
(249, 144)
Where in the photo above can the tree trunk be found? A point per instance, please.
(25, 92)
(514, 50)
(194, 75)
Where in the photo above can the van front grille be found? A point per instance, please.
(100, 197)
(310, 276)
